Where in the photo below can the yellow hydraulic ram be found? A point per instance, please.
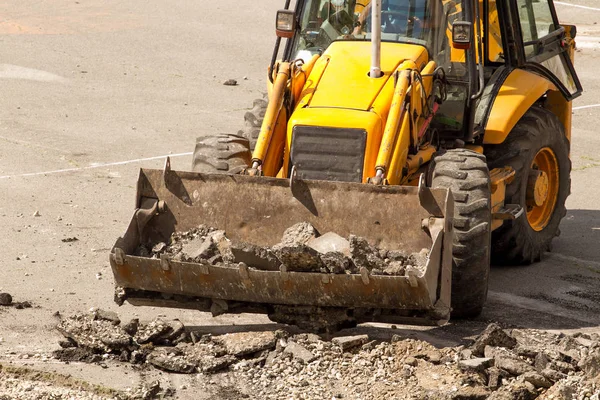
(271, 115)
(395, 116)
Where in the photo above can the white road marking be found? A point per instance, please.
(95, 165)
(584, 107)
(8, 71)
(577, 6)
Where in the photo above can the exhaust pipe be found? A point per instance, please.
(375, 71)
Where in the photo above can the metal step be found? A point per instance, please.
(509, 212)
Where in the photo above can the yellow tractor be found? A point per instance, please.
(437, 124)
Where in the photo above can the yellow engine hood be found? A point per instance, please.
(345, 82)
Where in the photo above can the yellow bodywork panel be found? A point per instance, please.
(341, 118)
(339, 93)
(346, 83)
(518, 93)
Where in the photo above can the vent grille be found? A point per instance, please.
(328, 154)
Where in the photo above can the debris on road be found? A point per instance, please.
(301, 248)
(70, 239)
(521, 363)
(230, 82)
(5, 299)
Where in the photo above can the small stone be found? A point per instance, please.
(5, 299)
(513, 366)
(230, 82)
(348, 342)
(476, 364)
(411, 361)
(552, 375)
(590, 365)
(36, 213)
(536, 379)
(394, 268)
(541, 361)
(584, 341)
(132, 326)
(466, 354)
(109, 316)
(159, 247)
(495, 376)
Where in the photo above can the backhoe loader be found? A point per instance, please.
(437, 124)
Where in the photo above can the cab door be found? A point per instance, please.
(544, 45)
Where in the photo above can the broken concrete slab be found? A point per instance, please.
(513, 366)
(169, 360)
(155, 330)
(243, 343)
(349, 342)
(300, 258)
(479, 364)
(330, 242)
(254, 256)
(198, 249)
(494, 336)
(364, 255)
(299, 233)
(299, 352)
(536, 379)
(337, 263)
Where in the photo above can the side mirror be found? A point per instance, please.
(462, 35)
(285, 25)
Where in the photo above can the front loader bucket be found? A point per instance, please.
(258, 210)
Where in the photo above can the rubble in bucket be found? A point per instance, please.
(301, 249)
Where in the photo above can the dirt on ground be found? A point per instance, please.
(498, 364)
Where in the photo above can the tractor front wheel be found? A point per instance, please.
(466, 174)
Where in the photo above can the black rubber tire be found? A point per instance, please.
(516, 243)
(221, 154)
(253, 120)
(466, 174)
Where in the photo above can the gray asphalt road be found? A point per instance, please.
(101, 89)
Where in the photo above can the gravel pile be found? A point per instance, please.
(301, 248)
(28, 384)
(499, 365)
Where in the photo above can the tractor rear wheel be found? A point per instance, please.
(466, 174)
(538, 150)
(221, 154)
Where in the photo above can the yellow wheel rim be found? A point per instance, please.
(542, 188)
